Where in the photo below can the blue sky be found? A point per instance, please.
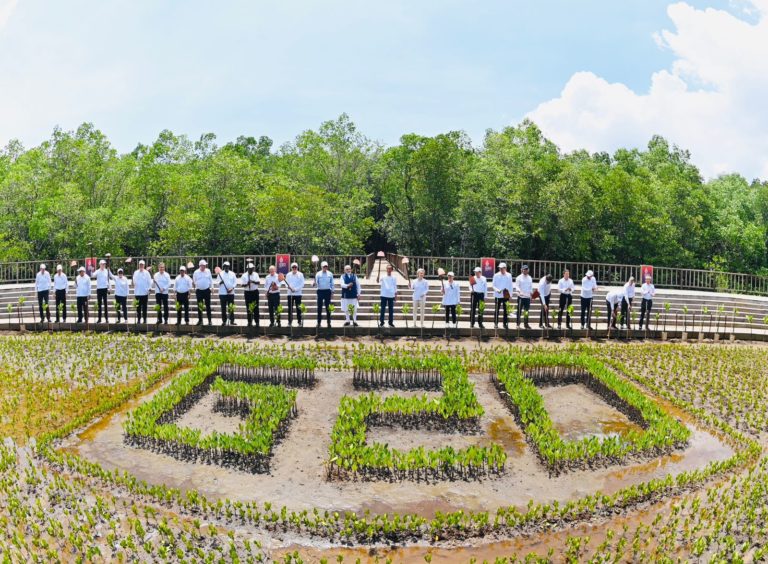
(277, 68)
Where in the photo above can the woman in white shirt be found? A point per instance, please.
(565, 286)
(451, 298)
(626, 304)
(648, 291)
(545, 292)
(420, 289)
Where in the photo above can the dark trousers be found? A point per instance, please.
(122, 304)
(565, 302)
(501, 303)
(42, 298)
(82, 308)
(141, 310)
(450, 311)
(522, 304)
(273, 300)
(203, 297)
(544, 313)
(252, 311)
(162, 301)
(101, 301)
(475, 300)
(586, 311)
(61, 298)
(225, 300)
(182, 298)
(385, 303)
(625, 303)
(294, 301)
(645, 308)
(323, 301)
(610, 311)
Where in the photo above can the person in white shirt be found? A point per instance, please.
(350, 293)
(83, 292)
(121, 295)
(162, 281)
(565, 286)
(612, 302)
(182, 286)
(142, 283)
(103, 278)
(648, 291)
(524, 286)
(545, 292)
(227, 282)
(324, 284)
(588, 289)
(294, 281)
(626, 304)
(420, 288)
(43, 288)
(250, 282)
(502, 291)
(478, 289)
(272, 284)
(202, 282)
(451, 298)
(60, 285)
(387, 296)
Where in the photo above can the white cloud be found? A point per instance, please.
(711, 101)
(6, 10)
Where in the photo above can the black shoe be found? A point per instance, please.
(568, 326)
(250, 323)
(199, 322)
(354, 323)
(329, 325)
(391, 324)
(318, 324)
(506, 326)
(99, 321)
(346, 324)
(79, 320)
(233, 322)
(381, 324)
(159, 321)
(178, 323)
(271, 323)
(527, 326)
(481, 325)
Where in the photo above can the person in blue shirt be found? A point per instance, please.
(324, 285)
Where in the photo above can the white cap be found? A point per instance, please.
(226, 263)
(119, 270)
(142, 261)
(182, 267)
(323, 264)
(59, 267)
(250, 265)
(81, 269)
(450, 273)
(503, 265)
(478, 269)
(42, 266)
(294, 264)
(202, 263)
(590, 273)
(102, 261)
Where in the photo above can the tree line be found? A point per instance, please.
(335, 191)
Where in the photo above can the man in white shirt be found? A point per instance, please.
(387, 295)
(420, 289)
(43, 287)
(60, 285)
(142, 283)
(272, 284)
(478, 290)
(626, 304)
(227, 283)
(294, 281)
(162, 281)
(182, 286)
(324, 284)
(121, 295)
(451, 298)
(83, 292)
(545, 292)
(502, 290)
(103, 277)
(588, 289)
(612, 302)
(202, 282)
(565, 286)
(250, 283)
(524, 285)
(648, 291)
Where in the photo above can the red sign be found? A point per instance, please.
(646, 270)
(283, 263)
(489, 267)
(90, 265)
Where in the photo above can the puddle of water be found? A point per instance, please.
(502, 431)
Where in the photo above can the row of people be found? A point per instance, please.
(504, 289)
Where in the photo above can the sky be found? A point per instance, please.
(594, 74)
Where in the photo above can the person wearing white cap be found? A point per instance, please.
(648, 291)
(202, 282)
(43, 287)
(83, 292)
(420, 288)
(387, 296)
(294, 280)
(502, 289)
(613, 300)
(250, 282)
(182, 285)
(142, 283)
(545, 293)
(350, 292)
(451, 298)
(588, 289)
(478, 286)
(524, 285)
(565, 286)
(103, 277)
(272, 284)
(227, 282)
(60, 285)
(324, 285)
(162, 283)
(121, 295)
(626, 304)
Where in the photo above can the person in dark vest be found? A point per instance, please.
(350, 293)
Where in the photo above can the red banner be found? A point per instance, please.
(283, 263)
(90, 265)
(646, 270)
(489, 267)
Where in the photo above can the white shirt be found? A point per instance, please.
(451, 295)
(545, 288)
(43, 281)
(524, 284)
(60, 281)
(162, 282)
(250, 281)
(566, 286)
(588, 285)
(121, 286)
(182, 284)
(481, 285)
(420, 289)
(295, 283)
(142, 282)
(629, 289)
(227, 283)
(202, 279)
(272, 279)
(83, 286)
(648, 291)
(102, 278)
(501, 282)
(388, 286)
(615, 296)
